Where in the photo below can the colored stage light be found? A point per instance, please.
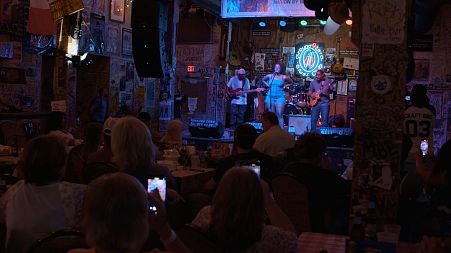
(262, 24)
(303, 22)
(282, 23)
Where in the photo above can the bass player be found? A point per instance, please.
(237, 89)
(319, 93)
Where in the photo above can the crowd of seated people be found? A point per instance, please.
(239, 214)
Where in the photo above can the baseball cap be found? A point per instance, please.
(108, 125)
(241, 72)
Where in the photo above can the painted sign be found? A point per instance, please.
(309, 59)
(264, 8)
(379, 29)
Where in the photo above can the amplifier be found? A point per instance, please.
(206, 128)
(300, 122)
(338, 137)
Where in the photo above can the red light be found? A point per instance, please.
(191, 69)
(314, 45)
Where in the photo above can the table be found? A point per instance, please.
(203, 143)
(191, 179)
(309, 242)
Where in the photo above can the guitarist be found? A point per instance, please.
(319, 93)
(236, 89)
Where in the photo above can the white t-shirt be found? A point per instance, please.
(274, 141)
(418, 125)
(235, 83)
(32, 212)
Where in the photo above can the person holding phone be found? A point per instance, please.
(236, 217)
(419, 121)
(117, 217)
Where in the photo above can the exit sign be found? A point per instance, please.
(190, 68)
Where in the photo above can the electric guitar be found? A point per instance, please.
(236, 93)
(314, 98)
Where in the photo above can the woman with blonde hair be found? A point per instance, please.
(116, 217)
(173, 136)
(135, 153)
(236, 218)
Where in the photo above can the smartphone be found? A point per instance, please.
(159, 184)
(424, 146)
(255, 168)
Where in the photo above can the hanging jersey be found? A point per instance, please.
(418, 125)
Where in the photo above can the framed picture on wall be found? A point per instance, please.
(342, 87)
(127, 42)
(117, 10)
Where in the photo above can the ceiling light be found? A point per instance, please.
(331, 26)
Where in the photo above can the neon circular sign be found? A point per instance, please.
(309, 58)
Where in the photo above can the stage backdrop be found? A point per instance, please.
(264, 8)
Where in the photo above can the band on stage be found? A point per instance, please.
(279, 94)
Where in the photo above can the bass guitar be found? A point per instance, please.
(314, 98)
(236, 93)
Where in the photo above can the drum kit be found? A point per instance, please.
(297, 102)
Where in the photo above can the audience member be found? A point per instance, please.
(430, 215)
(419, 121)
(173, 136)
(135, 153)
(105, 154)
(40, 203)
(236, 218)
(116, 217)
(78, 155)
(244, 139)
(326, 189)
(98, 107)
(274, 139)
(145, 118)
(56, 125)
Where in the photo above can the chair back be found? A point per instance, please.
(94, 170)
(59, 242)
(196, 240)
(292, 197)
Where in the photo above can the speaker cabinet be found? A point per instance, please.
(149, 24)
(301, 123)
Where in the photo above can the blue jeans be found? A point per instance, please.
(278, 109)
(316, 110)
(237, 114)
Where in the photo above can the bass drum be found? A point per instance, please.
(290, 109)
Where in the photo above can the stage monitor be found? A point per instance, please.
(309, 57)
(264, 8)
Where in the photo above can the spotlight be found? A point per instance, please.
(331, 26)
(349, 22)
(282, 23)
(322, 22)
(262, 24)
(303, 22)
